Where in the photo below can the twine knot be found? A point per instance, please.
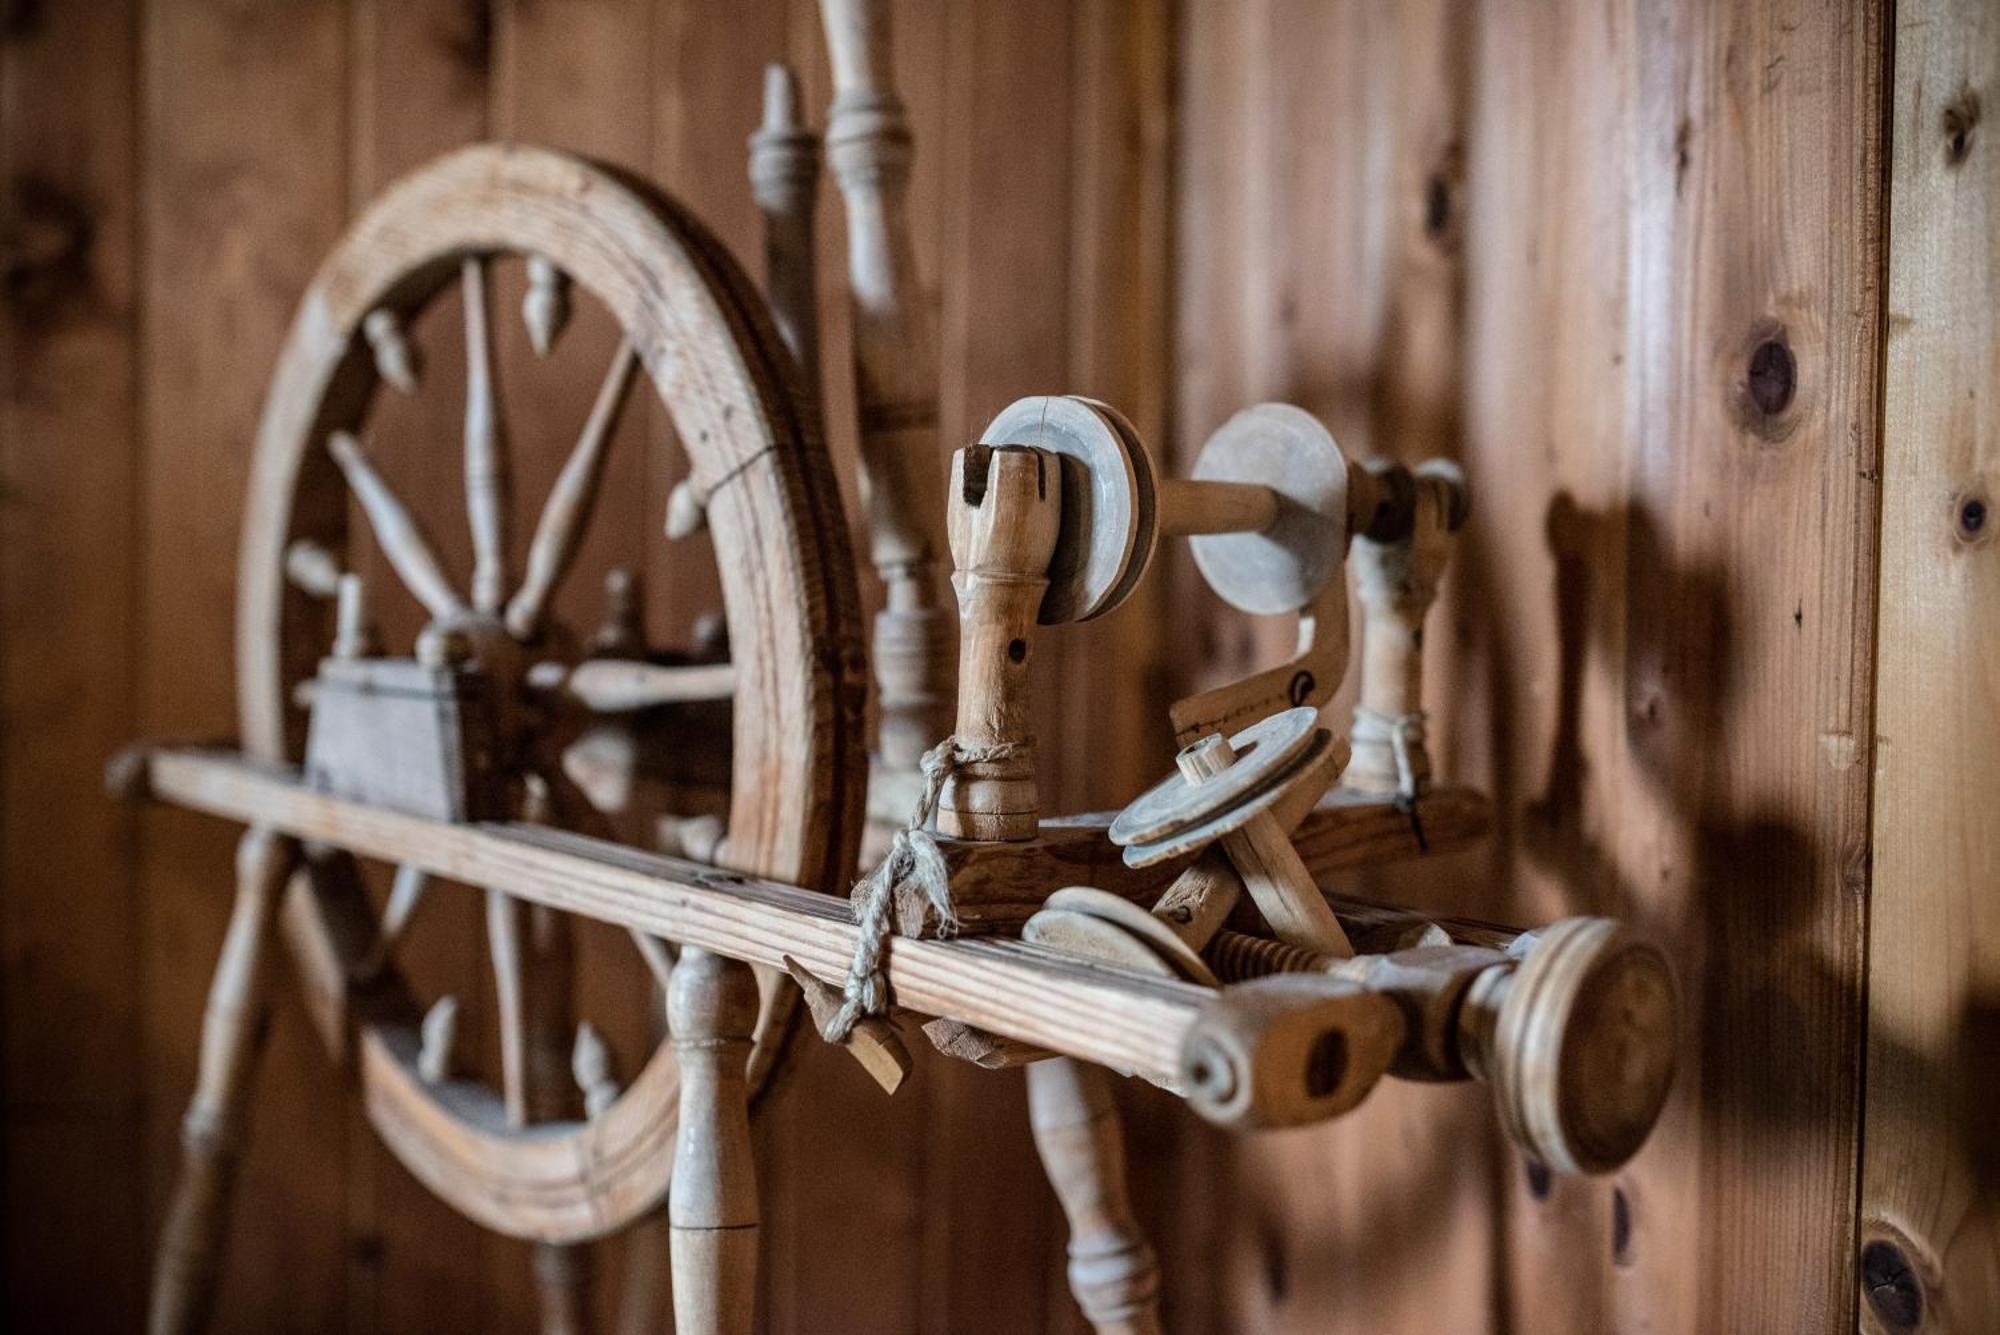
(913, 859)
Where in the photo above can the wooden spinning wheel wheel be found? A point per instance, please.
(695, 334)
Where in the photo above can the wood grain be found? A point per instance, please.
(237, 208)
(1930, 1184)
(72, 1021)
(1375, 209)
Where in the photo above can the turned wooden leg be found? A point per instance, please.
(1112, 1270)
(232, 1034)
(712, 1209)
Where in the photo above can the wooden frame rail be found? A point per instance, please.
(1095, 1012)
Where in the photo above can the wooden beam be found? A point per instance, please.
(1009, 988)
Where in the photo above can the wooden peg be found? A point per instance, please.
(232, 1037)
(1579, 1040)
(545, 305)
(395, 360)
(437, 1051)
(1006, 507)
(622, 632)
(712, 1211)
(1396, 581)
(873, 1041)
(353, 629)
(312, 568)
(1113, 1272)
(590, 1063)
(687, 510)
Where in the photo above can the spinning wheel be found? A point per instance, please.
(513, 686)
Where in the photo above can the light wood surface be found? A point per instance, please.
(233, 1024)
(1112, 1270)
(1005, 514)
(1929, 1243)
(1400, 195)
(712, 1214)
(1111, 1017)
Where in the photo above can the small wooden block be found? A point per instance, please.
(990, 1052)
(873, 1041)
(395, 733)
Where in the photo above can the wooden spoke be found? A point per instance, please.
(621, 686)
(404, 896)
(396, 529)
(503, 947)
(566, 513)
(437, 1045)
(486, 476)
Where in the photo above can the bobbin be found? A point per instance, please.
(1269, 508)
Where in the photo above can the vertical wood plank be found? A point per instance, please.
(69, 449)
(419, 80)
(1930, 1187)
(244, 153)
(1657, 645)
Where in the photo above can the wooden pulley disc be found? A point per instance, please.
(1584, 1047)
(1283, 567)
(1109, 509)
(1176, 816)
(1083, 920)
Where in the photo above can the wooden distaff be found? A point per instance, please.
(895, 381)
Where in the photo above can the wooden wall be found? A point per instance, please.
(1626, 261)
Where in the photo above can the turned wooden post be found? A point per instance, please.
(784, 178)
(232, 1039)
(1113, 1272)
(1006, 508)
(1397, 581)
(895, 381)
(712, 1209)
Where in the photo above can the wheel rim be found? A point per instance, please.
(710, 355)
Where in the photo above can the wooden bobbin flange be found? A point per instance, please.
(1224, 791)
(1278, 566)
(1579, 1042)
(1109, 506)
(1179, 814)
(1097, 924)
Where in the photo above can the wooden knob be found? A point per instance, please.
(1579, 1043)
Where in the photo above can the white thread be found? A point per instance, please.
(1405, 735)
